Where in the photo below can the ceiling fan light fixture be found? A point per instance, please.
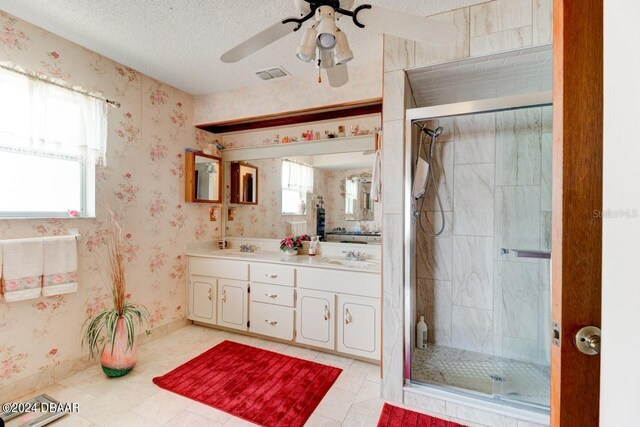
(326, 38)
(326, 58)
(343, 51)
(306, 51)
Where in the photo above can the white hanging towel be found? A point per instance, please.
(22, 267)
(298, 228)
(60, 274)
(420, 178)
(376, 177)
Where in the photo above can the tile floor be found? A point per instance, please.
(133, 400)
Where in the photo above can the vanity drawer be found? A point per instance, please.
(271, 320)
(274, 274)
(224, 269)
(272, 294)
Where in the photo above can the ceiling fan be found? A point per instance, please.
(324, 44)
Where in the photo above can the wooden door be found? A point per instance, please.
(315, 321)
(577, 200)
(359, 326)
(232, 304)
(202, 300)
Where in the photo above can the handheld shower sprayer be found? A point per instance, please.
(433, 133)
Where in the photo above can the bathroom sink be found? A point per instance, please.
(350, 263)
(238, 252)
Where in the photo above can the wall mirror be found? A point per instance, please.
(358, 205)
(244, 183)
(303, 191)
(203, 178)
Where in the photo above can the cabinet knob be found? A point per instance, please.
(326, 312)
(271, 276)
(271, 322)
(270, 295)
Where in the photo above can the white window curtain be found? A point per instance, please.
(350, 196)
(41, 118)
(297, 176)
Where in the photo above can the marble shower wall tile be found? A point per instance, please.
(435, 254)
(434, 303)
(473, 200)
(399, 53)
(518, 147)
(504, 40)
(428, 54)
(475, 139)
(394, 96)
(443, 172)
(392, 166)
(500, 15)
(471, 329)
(520, 293)
(545, 231)
(546, 176)
(542, 22)
(473, 272)
(517, 218)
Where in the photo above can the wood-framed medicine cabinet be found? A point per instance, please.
(244, 184)
(203, 178)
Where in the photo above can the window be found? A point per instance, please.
(50, 139)
(297, 182)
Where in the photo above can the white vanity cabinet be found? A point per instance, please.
(202, 299)
(232, 304)
(339, 310)
(316, 318)
(217, 292)
(359, 326)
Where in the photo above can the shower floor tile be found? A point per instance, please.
(507, 379)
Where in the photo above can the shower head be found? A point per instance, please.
(433, 133)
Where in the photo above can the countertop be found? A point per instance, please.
(318, 261)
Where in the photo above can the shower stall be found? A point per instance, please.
(478, 228)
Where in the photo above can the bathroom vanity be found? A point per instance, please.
(324, 302)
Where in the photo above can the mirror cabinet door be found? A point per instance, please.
(244, 184)
(358, 205)
(203, 178)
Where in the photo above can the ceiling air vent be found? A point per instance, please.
(272, 73)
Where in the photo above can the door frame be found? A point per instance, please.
(577, 199)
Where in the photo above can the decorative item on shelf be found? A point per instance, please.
(341, 132)
(290, 244)
(114, 329)
(317, 135)
(285, 140)
(276, 139)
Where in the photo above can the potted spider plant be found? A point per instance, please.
(113, 330)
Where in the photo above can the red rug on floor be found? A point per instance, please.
(392, 416)
(257, 385)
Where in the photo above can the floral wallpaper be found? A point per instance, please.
(143, 178)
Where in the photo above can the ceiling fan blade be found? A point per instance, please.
(407, 26)
(338, 75)
(259, 41)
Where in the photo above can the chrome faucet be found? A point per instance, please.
(354, 255)
(245, 247)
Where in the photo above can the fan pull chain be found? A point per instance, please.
(319, 71)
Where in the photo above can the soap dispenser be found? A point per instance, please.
(313, 246)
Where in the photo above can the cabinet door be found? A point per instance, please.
(315, 322)
(202, 299)
(359, 326)
(232, 304)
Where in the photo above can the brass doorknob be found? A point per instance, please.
(588, 340)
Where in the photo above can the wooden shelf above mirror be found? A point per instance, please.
(288, 118)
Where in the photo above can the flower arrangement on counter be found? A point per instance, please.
(293, 243)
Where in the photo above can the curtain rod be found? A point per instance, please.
(115, 104)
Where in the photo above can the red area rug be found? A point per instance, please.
(392, 416)
(257, 385)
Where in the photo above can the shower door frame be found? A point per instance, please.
(512, 102)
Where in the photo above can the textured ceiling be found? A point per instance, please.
(179, 41)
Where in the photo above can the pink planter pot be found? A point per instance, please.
(119, 360)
